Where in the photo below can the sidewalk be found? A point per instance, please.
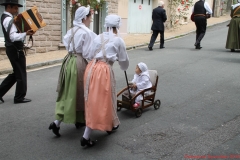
(131, 40)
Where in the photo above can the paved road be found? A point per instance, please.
(199, 115)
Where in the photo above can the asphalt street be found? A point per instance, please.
(199, 115)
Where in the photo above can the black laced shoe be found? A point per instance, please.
(161, 47)
(113, 129)
(54, 129)
(198, 47)
(78, 125)
(85, 142)
(1, 99)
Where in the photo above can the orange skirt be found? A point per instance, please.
(100, 112)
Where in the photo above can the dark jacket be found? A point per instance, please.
(159, 17)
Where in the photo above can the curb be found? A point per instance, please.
(38, 65)
(34, 66)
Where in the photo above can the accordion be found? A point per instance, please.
(29, 19)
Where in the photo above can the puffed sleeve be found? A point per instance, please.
(88, 45)
(66, 39)
(96, 45)
(123, 59)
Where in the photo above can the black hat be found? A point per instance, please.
(11, 2)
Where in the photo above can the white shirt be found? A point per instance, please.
(235, 5)
(83, 40)
(14, 36)
(115, 50)
(207, 7)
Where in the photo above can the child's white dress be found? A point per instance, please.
(142, 82)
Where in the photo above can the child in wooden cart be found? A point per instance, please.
(141, 81)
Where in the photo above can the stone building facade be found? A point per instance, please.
(47, 38)
(112, 6)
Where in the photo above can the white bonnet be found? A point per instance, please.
(81, 13)
(142, 66)
(112, 21)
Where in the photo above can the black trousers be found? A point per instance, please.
(19, 75)
(201, 25)
(154, 37)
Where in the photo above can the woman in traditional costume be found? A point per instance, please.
(70, 100)
(99, 81)
(233, 38)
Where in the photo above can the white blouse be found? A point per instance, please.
(115, 50)
(83, 41)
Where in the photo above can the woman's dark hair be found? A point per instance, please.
(89, 14)
(114, 28)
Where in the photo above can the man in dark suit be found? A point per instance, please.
(159, 17)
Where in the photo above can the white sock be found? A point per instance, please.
(87, 133)
(57, 122)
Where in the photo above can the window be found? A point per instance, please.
(149, 2)
(142, 1)
(2, 9)
(134, 1)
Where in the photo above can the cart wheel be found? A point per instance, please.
(119, 108)
(138, 112)
(157, 104)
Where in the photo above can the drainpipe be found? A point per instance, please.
(214, 1)
(64, 19)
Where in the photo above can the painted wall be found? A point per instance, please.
(139, 16)
(123, 13)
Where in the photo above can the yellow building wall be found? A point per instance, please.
(123, 13)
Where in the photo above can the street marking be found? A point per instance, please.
(35, 69)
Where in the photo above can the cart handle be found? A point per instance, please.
(127, 85)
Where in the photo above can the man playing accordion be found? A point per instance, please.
(14, 50)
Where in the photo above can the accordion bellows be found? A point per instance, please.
(29, 19)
